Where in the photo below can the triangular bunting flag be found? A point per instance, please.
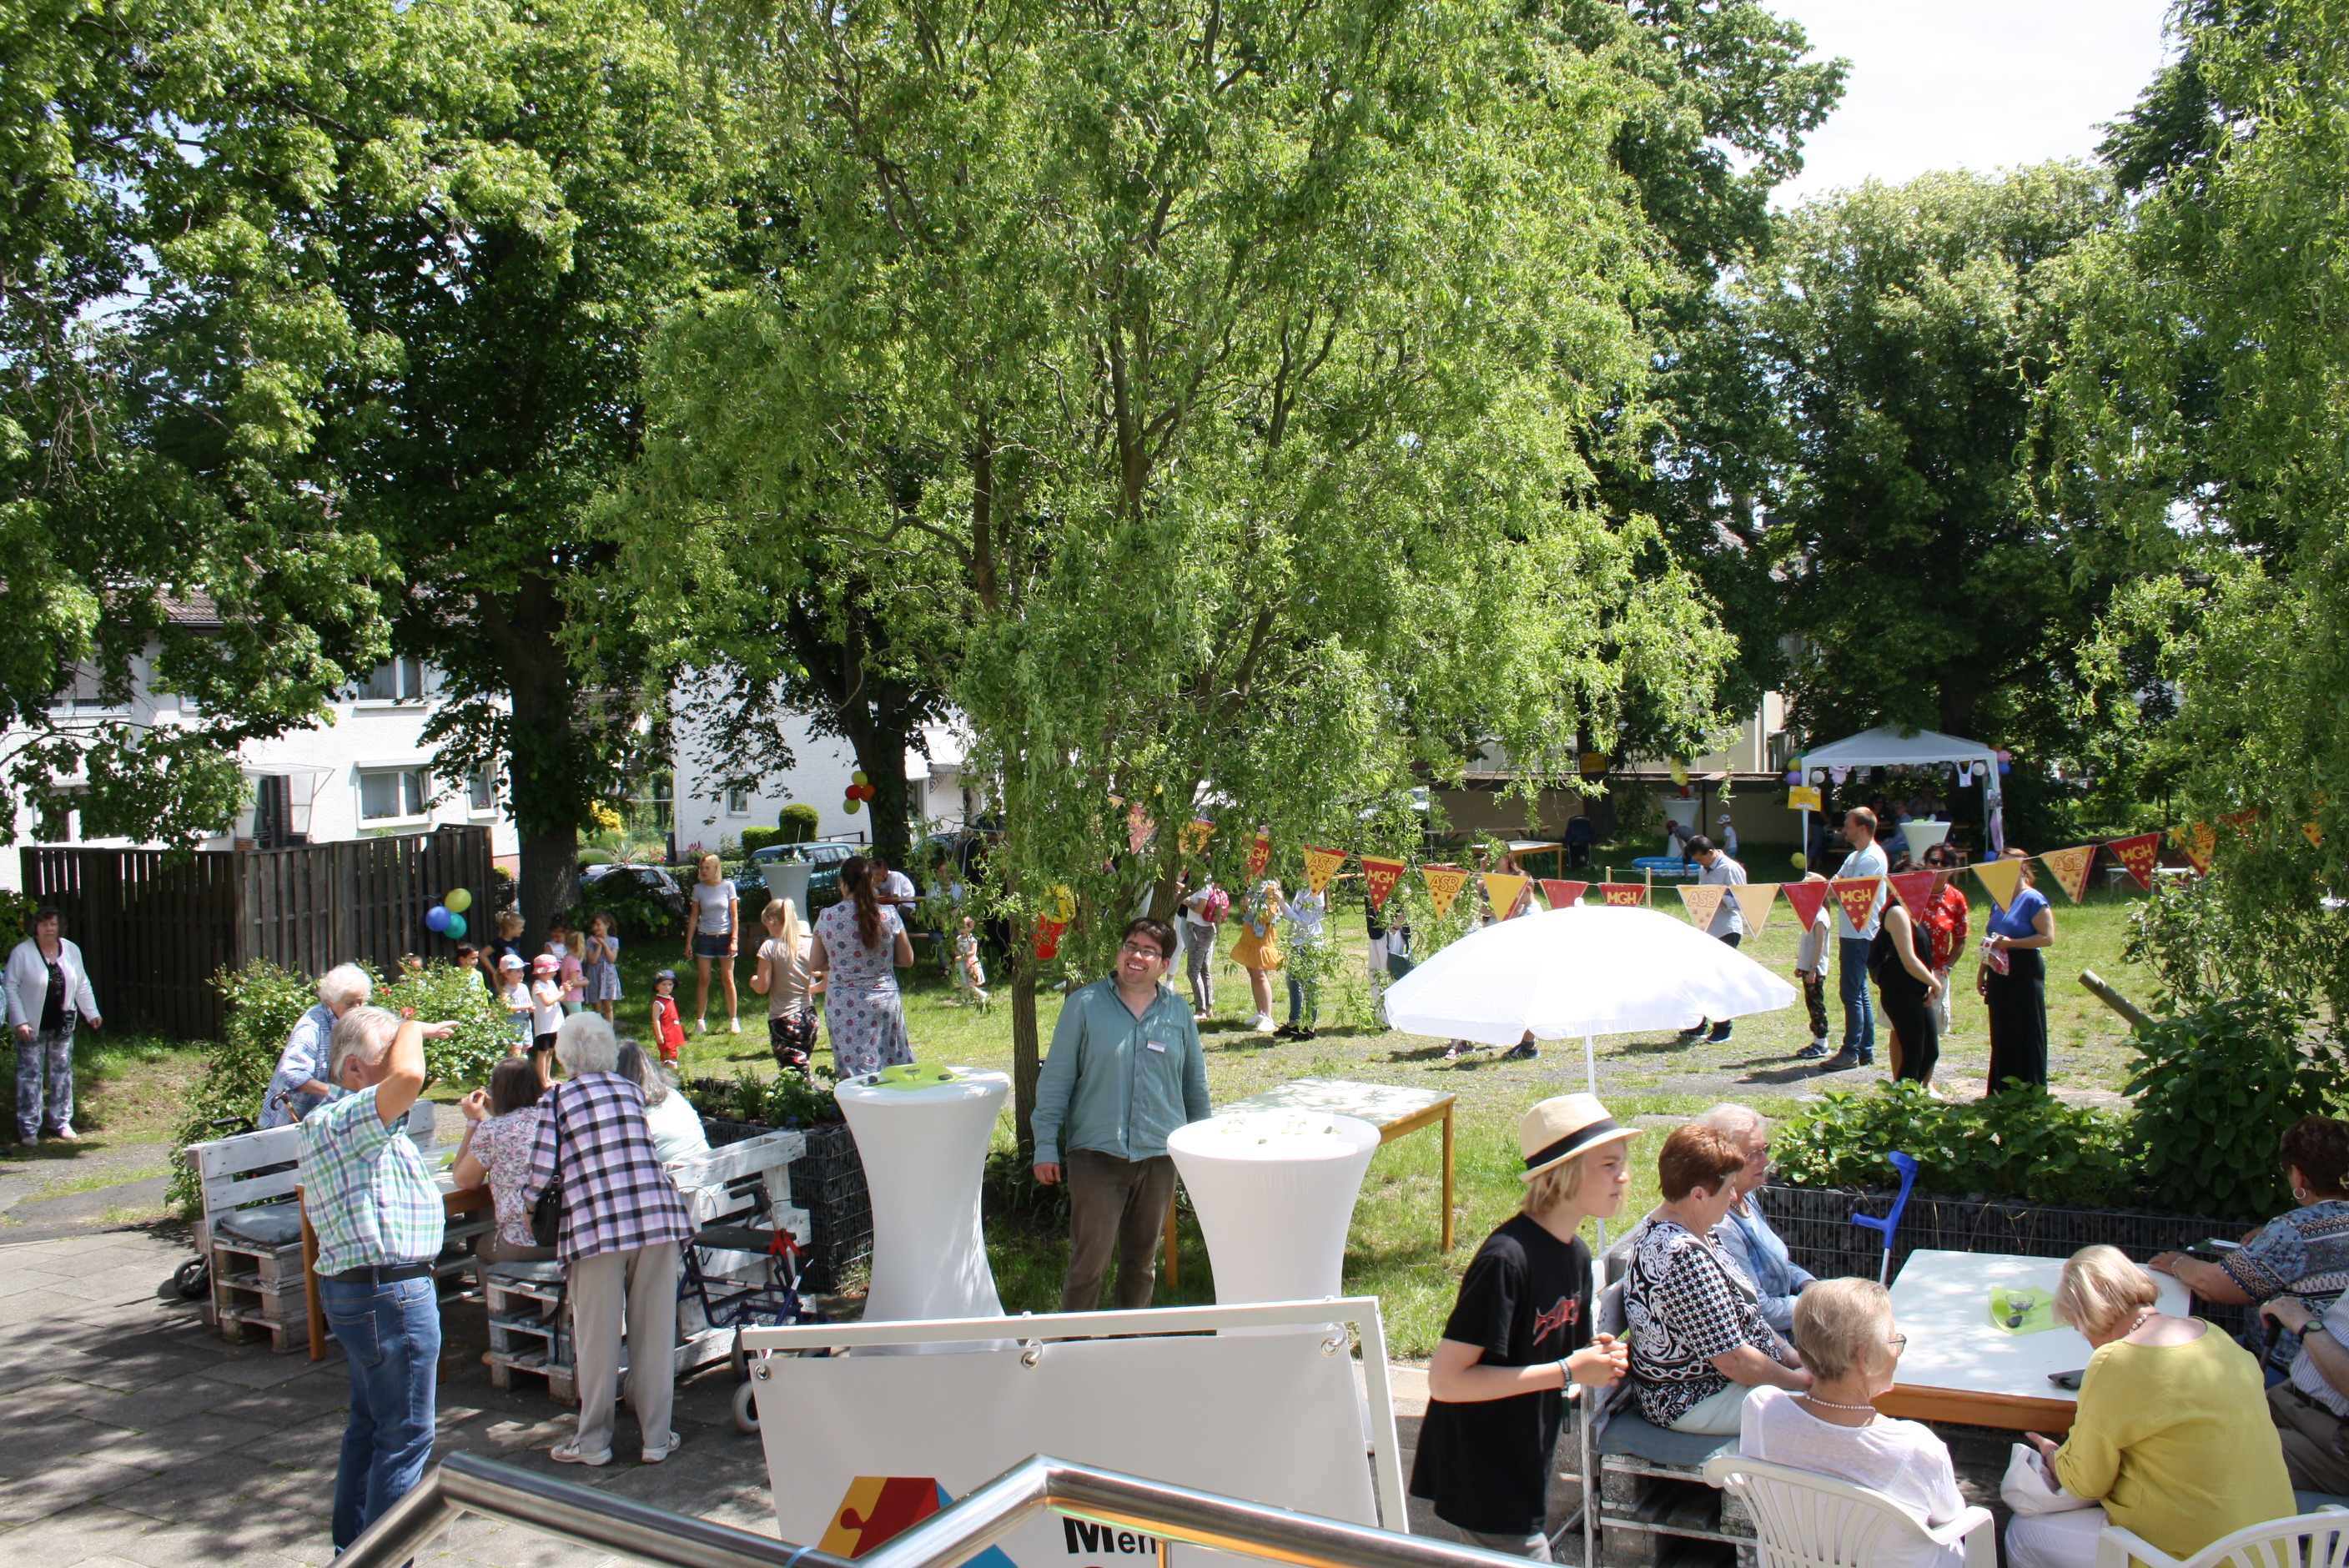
(1502, 890)
(2315, 831)
(1259, 855)
(1806, 899)
(2000, 877)
(1443, 885)
(1858, 895)
(1623, 892)
(1915, 889)
(1754, 901)
(1138, 828)
(1320, 865)
(1048, 937)
(2138, 855)
(2071, 869)
(1562, 893)
(2195, 841)
(1197, 834)
(1379, 876)
(2240, 820)
(1703, 900)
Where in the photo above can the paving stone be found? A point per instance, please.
(215, 1490)
(62, 1484)
(28, 1444)
(144, 1409)
(264, 1370)
(315, 1444)
(91, 1530)
(186, 1437)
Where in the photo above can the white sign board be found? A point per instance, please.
(860, 1447)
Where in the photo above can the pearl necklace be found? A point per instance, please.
(1832, 1405)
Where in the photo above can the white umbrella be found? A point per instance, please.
(1587, 970)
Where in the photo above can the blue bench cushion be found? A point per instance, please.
(1628, 1432)
(265, 1224)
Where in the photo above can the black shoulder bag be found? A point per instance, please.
(546, 1214)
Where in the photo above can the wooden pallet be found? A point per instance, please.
(562, 1378)
(240, 1327)
(246, 1296)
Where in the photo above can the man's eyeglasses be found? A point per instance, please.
(1144, 950)
(1899, 1342)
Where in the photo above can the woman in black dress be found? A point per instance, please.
(1900, 957)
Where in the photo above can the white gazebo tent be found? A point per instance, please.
(1887, 746)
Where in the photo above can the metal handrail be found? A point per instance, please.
(946, 1538)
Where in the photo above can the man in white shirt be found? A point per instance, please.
(1866, 860)
(1728, 924)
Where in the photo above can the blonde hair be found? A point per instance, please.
(2102, 1289)
(1840, 1323)
(1561, 1183)
(781, 916)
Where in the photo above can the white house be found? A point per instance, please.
(366, 773)
(823, 766)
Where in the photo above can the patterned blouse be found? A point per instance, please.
(504, 1145)
(2303, 1254)
(616, 1196)
(1687, 1301)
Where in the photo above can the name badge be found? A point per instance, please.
(1154, 1045)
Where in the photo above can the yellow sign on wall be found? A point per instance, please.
(1804, 798)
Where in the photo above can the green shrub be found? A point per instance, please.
(757, 838)
(2215, 1085)
(798, 823)
(785, 1100)
(443, 992)
(2019, 1143)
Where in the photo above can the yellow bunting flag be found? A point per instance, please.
(1196, 833)
(1259, 855)
(1703, 900)
(1138, 828)
(1320, 865)
(1443, 885)
(1379, 876)
(2000, 877)
(1626, 893)
(1754, 901)
(2195, 840)
(2315, 831)
(2072, 868)
(1858, 895)
(2138, 855)
(1503, 892)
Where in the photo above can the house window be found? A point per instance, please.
(400, 680)
(79, 693)
(482, 792)
(738, 802)
(388, 794)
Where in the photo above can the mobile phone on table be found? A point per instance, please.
(2066, 1379)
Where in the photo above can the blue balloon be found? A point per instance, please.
(456, 926)
(436, 918)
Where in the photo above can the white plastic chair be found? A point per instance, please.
(1806, 1520)
(2304, 1541)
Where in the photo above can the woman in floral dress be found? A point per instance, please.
(860, 945)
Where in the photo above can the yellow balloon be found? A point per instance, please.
(457, 901)
(1802, 861)
(852, 806)
(858, 778)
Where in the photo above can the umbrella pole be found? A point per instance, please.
(1589, 1065)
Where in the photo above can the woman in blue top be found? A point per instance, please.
(2012, 980)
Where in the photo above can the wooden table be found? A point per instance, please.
(454, 1200)
(1960, 1366)
(1392, 1109)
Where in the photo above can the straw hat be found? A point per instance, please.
(1556, 1130)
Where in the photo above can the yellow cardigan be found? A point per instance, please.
(2176, 1442)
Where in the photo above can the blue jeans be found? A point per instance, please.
(1305, 998)
(391, 1337)
(1858, 1018)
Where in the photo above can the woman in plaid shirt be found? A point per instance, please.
(622, 1223)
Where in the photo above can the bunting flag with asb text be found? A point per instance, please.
(1858, 897)
(1443, 885)
(2071, 869)
(1259, 855)
(1915, 890)
(1999, 878)
(1320, 865)
(1754, 901)
(2195, 840)
(1627, 893)
(1379, 876)
(1703, 900)
(1806, 899)
(2138, 855)
(1562, 894)
(1502, 890)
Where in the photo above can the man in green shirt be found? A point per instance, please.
(1125, 1070)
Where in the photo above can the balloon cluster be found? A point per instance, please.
(448, 917)
(860, 790)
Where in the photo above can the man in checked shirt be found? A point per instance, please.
(621, 1223)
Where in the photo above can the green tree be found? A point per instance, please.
(1241, 352)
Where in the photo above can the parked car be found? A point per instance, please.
(646, 900)
(825, 859)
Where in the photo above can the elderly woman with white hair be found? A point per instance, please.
(675, 1126)
(299, 1085)
(2172, 1437)
(622, 1221)
(1745, 1233)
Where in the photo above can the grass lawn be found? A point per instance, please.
(1392, 1252)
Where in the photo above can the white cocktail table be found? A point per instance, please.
(1274, 1190)
(1959, 1367)
(925, 1150)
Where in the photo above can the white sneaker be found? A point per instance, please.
(654, 1456)
(701, 1026)
(1262, 1023)
(733, 1026)
(569, 1454)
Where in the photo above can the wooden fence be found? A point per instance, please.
(155, 931)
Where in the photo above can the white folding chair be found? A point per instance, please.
(2304, 1541)
(1806, 1520)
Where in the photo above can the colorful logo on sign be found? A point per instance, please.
(880, 1507)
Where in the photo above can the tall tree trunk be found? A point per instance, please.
(1027, 1055)
(546, 761)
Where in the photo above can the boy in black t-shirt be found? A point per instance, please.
(1519, 1333)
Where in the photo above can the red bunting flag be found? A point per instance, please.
(1915, 891)
(1259, 855)
(1807, 899)
(1562, 893)
(1138, 828)
(1379, 876)
(1623, 892)
(1858, 895)
(1048, 937)
(2138, 855)
(2241, 822)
